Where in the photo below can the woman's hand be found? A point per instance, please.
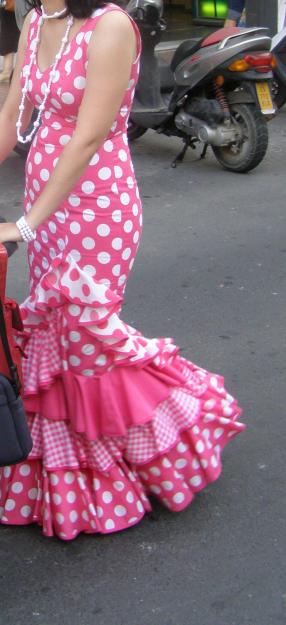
(9, 232)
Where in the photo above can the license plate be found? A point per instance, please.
(264, 98)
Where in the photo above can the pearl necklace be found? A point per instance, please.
(53, 16)
(27, 73)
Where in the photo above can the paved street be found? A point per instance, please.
(210, 273)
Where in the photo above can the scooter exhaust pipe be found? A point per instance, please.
(222, 134)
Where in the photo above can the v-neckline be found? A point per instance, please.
(69, 43)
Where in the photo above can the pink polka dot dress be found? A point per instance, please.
(115, 417)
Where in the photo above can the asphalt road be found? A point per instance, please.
(210, 273)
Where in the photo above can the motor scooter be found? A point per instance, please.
(216, 91)
(278, 49)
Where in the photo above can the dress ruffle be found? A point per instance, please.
(106, 440)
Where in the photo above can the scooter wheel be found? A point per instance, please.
(134, 131)
(249, 150)
(278, 92)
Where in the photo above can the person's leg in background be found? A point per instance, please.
(9, 36)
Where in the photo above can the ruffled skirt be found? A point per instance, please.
(115, 417)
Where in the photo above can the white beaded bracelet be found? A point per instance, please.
(26, 232)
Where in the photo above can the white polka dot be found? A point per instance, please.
(209, 404)
(73, 516)
(54, 479)
(108, 146)
(118, 172)
(155, 471)
(78, 54)
(99, 511)
(155, 489)
(120, 511)
(26, 511)
(49, 149)
(195, 464)
(84, 515)
(71, 496)
(88, 243)
(88, 214)
(94, 160)
(167, 485)
(180, 463)
(122, 154)
(122, 279)
(200, 447)
(74, 200)
(74, 361)
(101, 360)
(67, 97)
(90, 270)
(60, 518)
(116, 216)
(52, 227)
(32, 493)
(178, 497)
(64, 139)
(196, 480)
(125, 199)
(44, 133)
(104, 173)
(116, 270)
(79, 82)
(130, 497)
(17, 487)
(214, 461)
(133, 519)
(25, 470)
(181, 448)
(55, 103)
(88, 187)
(74, 310)
(118, 485)
(109, 524)
(10, 504)
(69, 477)
(103, 230)
(218, 433)
(74, 336)
(75, 227)
(166, 463)
(56, 499)
(96, 484)
(103, 201)
(38, 158)
(126, 253)
(107, 496)
(103, 258)
(140, 507)
(88, 349)
(136, 237)
(128, 226)
(208, 417)
(36, 185)
(117, 243)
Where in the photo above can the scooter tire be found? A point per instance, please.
(134, 131)
(278, 92)
(245, 155)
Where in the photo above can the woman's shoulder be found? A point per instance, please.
(108, 8)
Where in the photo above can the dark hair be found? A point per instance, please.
(77, 8)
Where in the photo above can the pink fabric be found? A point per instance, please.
(114, 416)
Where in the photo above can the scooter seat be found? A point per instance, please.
(185, 49)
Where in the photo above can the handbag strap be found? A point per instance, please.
(15, 380)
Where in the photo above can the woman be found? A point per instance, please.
(114, 416)
(9, 36)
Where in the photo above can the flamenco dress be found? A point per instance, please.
(114, 416)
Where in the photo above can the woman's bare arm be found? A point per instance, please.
(10, 110)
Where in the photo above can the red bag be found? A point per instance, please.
(10, 320)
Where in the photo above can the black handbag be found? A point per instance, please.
(15, 438)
